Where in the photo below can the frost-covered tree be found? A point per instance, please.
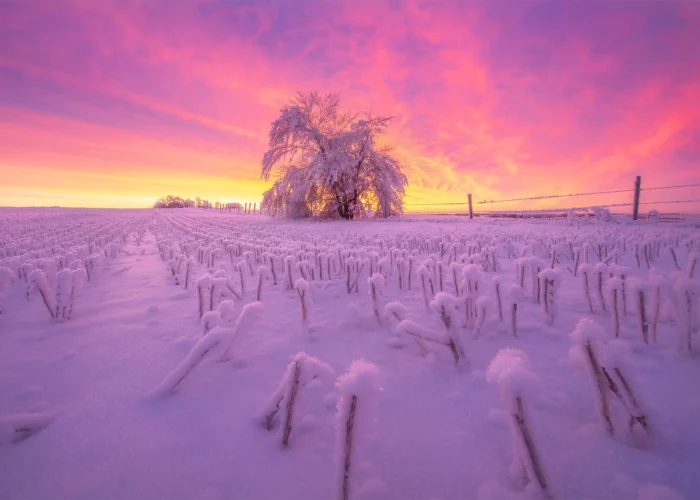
(327, 162)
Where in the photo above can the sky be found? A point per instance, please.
(118, 102)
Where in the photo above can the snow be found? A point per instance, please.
(693, 264)
(306, 381)
(614, 284)
(356, 424)
(301, 285)
(85, 385)
(361, 380)
(617, 353)
(658, 492)
(395, 312)
(6, 277)
(377, 280)
(509, 370)
(201, 349)
(15, 428)
(250, 315)
(587, 330)
(639, 285)
(64, 292)
(38, 282)
(210, 320)
(409, 327)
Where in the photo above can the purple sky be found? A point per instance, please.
(115, 103)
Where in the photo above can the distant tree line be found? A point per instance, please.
(171, 201)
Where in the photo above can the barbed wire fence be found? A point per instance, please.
(472, 207)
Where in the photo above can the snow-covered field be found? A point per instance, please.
(155, 354)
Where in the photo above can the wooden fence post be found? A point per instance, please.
(471, 212)
(637, 192)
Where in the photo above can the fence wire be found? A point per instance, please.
(569, 195)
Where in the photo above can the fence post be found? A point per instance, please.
(255, 207)
(471, 213)
(637, 192)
